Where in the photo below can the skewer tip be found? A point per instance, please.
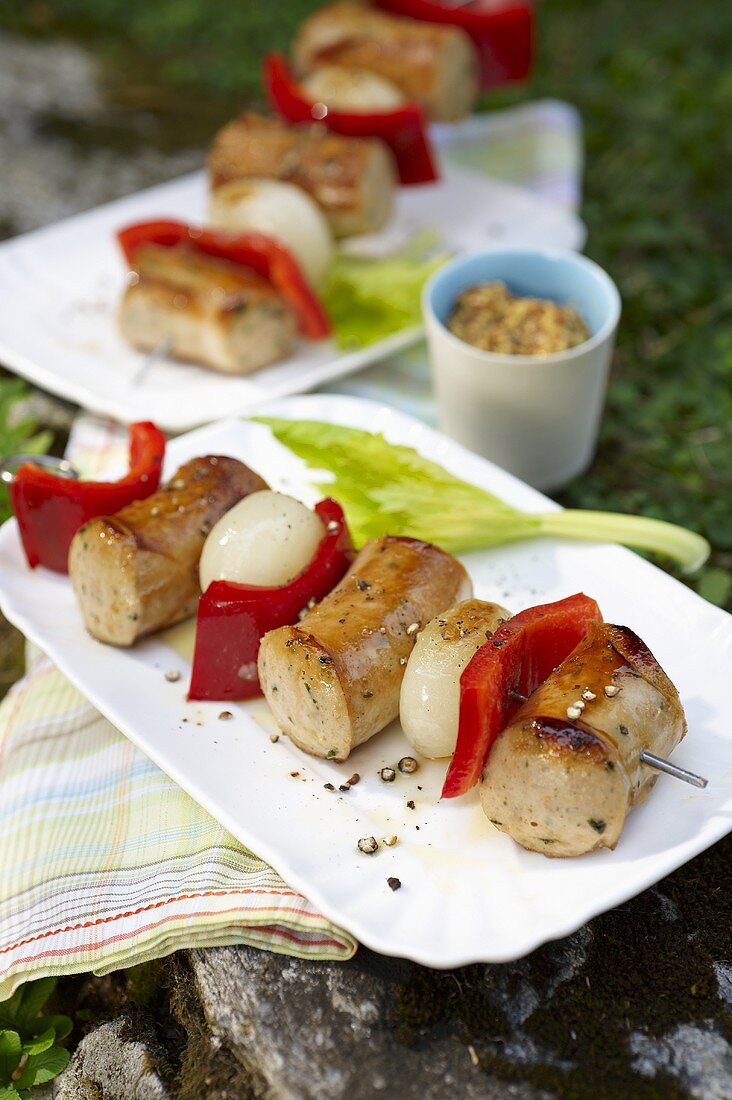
(662, 765)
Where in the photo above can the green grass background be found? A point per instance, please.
(653, 82)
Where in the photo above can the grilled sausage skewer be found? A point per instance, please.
(137, 571)
(205, 310)
(353, 180)
(561, 778)
(434, 64)
(653, 761)
(333, 680)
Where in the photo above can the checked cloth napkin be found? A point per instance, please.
(104, 861)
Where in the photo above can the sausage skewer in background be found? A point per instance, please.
(137, 571)
(562, 777)
(355, 91)
(353, 180)
(433, 64)
(205, 310)
(333, 680)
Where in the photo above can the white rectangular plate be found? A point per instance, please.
(59, 288)
(468, 892)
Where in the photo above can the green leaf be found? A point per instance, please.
(9, 1093)
(34, 996)
(40, 1043)
(9, 1009)
(11, 1051)
(715, 585)
(17, 434)
(62, 1025)
(368, 300)
(43, 1067)
(386, 488)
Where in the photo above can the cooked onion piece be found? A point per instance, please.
(266, 539)
(353, 90)
(430, 698)
(281, 210)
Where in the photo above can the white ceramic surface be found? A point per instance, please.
(59, 289)
(536, 416)
(469, 893)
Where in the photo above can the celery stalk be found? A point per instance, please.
(386, 488)
(685, 547)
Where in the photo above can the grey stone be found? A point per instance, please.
(698, 1057)
(107, 1065)
(313, 1030)
(48, 90)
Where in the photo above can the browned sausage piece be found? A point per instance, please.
(212, 312)
(563, 785)
(353, 180)
(137, 571)
(433, 64)
(333, 681)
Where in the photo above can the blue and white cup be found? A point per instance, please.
(537, 416)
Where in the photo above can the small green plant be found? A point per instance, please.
(18, 433)
(29, 1041)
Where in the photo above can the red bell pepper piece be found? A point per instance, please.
(233, 618)
(263, 254)
(521, 655)
(503, 36)
(403, 129)
(50, 509)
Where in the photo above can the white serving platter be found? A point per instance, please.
(60, 285)
(468, 892)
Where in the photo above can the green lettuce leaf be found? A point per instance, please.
(370, 299)
(385, 488)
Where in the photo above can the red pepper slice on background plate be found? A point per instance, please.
(403, 129)
(263, 254)
(233, 618)
(50, 509)
(502, 35)
(521, 655)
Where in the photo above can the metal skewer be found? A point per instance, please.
(649, 758)
(150, 360)
(666, 766)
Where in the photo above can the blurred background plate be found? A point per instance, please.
(60, 286)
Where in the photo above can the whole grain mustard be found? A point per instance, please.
(490, 317)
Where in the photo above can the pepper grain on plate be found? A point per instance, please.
(408, 765)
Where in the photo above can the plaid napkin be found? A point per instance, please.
(104, 861)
